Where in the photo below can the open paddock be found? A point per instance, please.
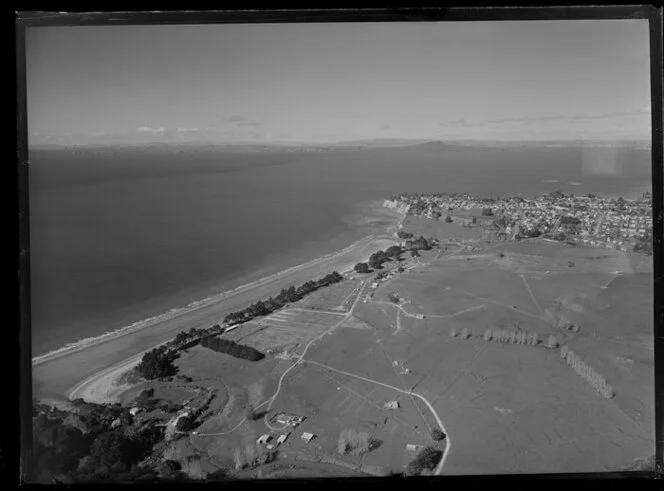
(331, 297)
(517, 409)
(333, 402)
(441, 229)
(284, 328)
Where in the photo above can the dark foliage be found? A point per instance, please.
(157, 363)
(286, 296)
(487, 212)
(427, 459)
(232, 348)
(361, 268)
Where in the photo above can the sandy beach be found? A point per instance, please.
(91, 371)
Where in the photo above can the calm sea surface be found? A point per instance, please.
(121, 235)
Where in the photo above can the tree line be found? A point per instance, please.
(232, 348)
(587, 373)
(286, 296)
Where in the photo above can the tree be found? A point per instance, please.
(464, 333)
(453, 332)
(552, 342)
(448, 219)
(157, 363)
(437, 434)
(426, 460)
(487, 212)
(487, 335)
(362, 268)
(393, 251)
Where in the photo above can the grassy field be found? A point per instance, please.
(507, 408)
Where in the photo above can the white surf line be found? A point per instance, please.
(423, 399)
(174, 313)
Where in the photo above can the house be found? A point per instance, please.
(307, 437)
(288, 419)
(264, 439)
(282, 438)
(269, 446)
(134, 411)
(115, 423)
(392, 405)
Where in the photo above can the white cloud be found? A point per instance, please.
(150, 129)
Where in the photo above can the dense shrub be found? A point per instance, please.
(157, 363)
(404, 235)
(426, 460)
(361, 268)
(437, 434)
(232, 348)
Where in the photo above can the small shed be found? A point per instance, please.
(263, 439)
(282, 438)
(392, 405)
(307, 437)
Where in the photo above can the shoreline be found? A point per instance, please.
(136, 326)
(105, 368)
(172, 313)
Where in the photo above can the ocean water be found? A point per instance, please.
(120, 235)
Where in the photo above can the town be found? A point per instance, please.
(624, 225)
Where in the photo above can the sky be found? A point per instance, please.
(525, 80)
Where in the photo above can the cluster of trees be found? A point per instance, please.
(427, 460)
(404, 235)
(354, 442)
(644, 244)
(157, 363)
(584, 370)
(419, 243)
(286, 296)
(82, 446)
(511, 337)
(377, 259)
(232, 348)
(186, 423)
(362, 268)
(393, 297)
(252, 455)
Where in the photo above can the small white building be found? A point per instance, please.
(282, 438)
(263, 439)
(134, 411)
(307, 437)
(392, 405)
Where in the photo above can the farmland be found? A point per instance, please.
(339, 357)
